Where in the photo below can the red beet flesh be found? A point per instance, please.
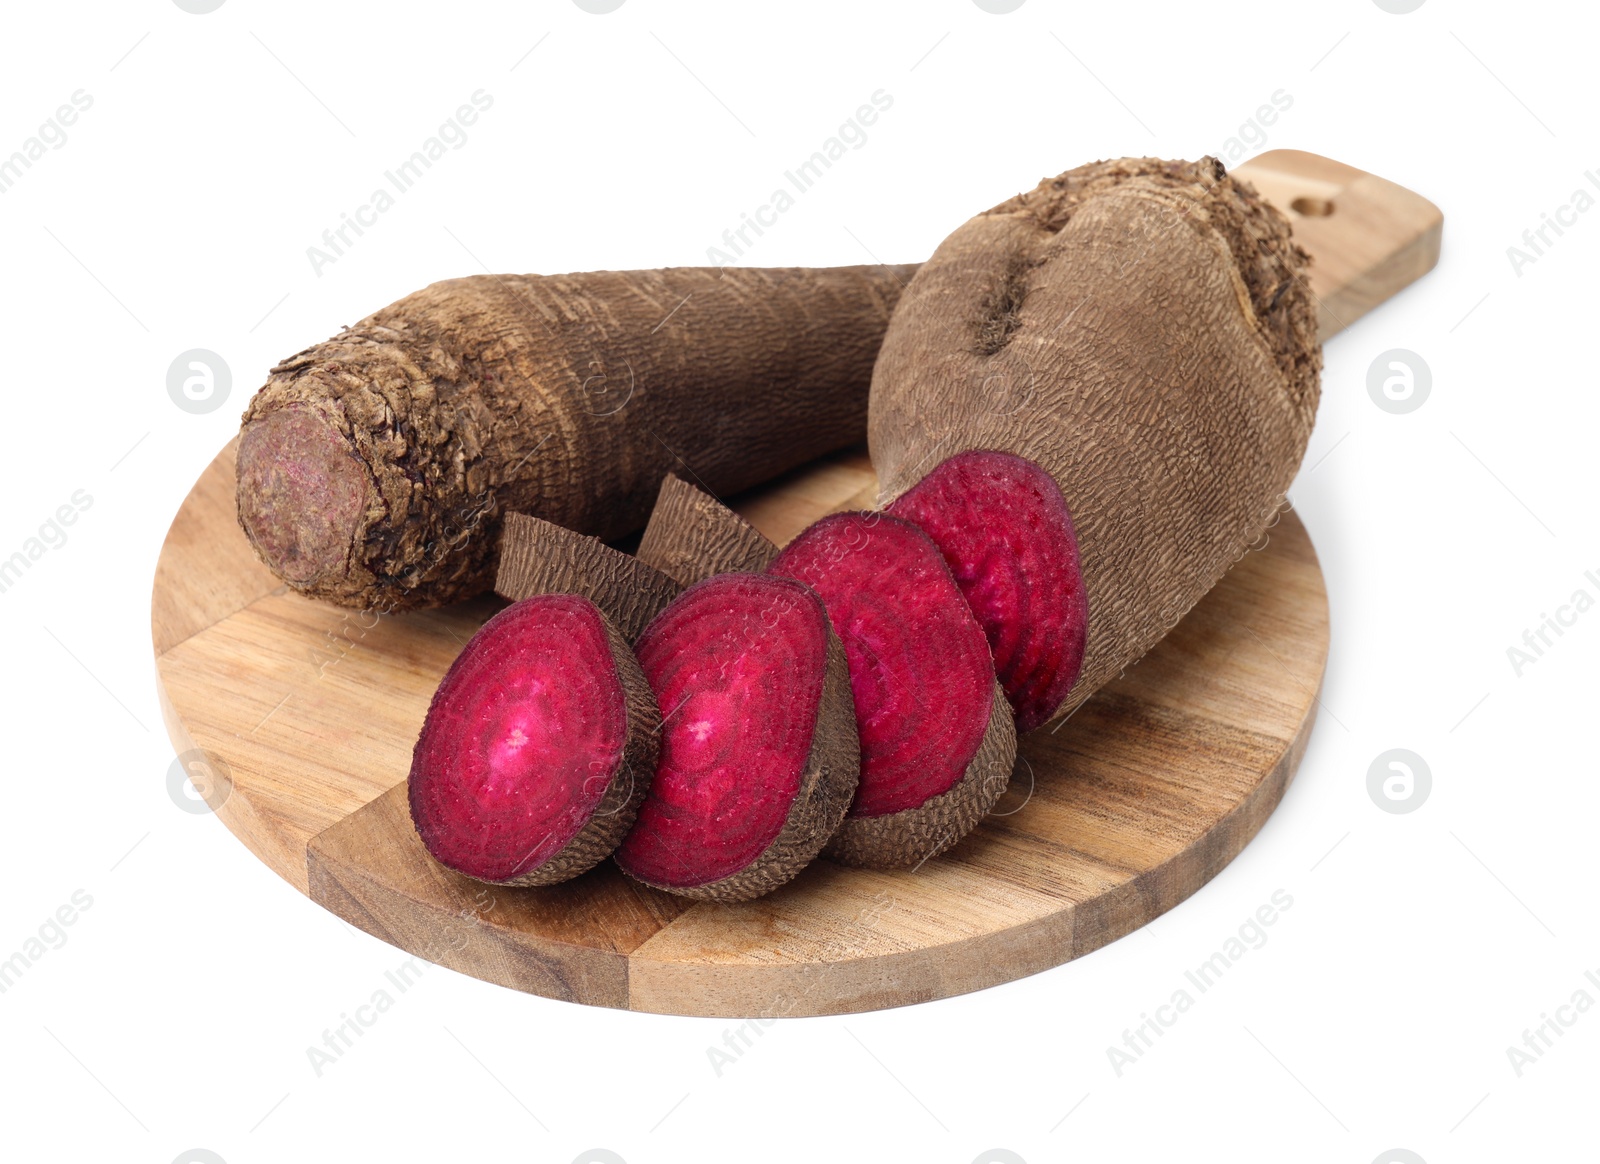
(920, 672)
(523, 738)
(737, 663)
(1006, 535)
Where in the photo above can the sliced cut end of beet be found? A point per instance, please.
(758, 749)
(302, 494)
(920, 672)
(1005, 532)
(537, 748)
(905, 839)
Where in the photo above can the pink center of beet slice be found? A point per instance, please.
(1004, 530)
(522, 740)
(920, 671)
(737, 663)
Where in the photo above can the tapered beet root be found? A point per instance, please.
(374, 469)
(1005, 533)
(691, 536)
(937, 738)
(1144, 332)
(759, 756)
(538, 747)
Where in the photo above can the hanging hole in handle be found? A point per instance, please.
(1312, 207)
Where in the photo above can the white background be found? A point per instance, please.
(1418, 948)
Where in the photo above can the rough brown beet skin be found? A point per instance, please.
(537, 557)
(1141, 329)
(692, 536)
(374, 469)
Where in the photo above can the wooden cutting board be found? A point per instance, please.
(297, 721)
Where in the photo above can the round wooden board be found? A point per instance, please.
(307, 714)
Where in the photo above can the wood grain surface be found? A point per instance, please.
(307, 714)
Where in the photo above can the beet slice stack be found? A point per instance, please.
(757, 752)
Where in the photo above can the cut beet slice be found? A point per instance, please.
(538, 747)
(937, 739)
(1006, 535)
(758, 756)
(692, 536)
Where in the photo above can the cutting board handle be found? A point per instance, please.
(1368, 237)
